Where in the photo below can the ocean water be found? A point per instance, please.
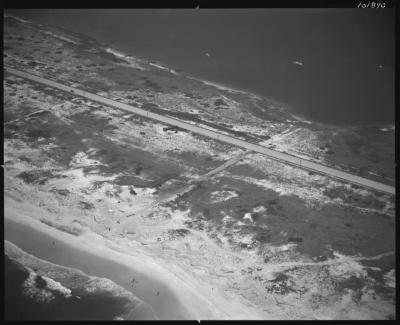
(42, 245)
(329, 65)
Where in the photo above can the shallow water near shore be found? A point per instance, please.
(51, 249)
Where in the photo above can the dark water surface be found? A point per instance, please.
(49, 248)
(347, 76)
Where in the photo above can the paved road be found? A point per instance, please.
(273, 154)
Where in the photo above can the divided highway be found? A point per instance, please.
(273, 154)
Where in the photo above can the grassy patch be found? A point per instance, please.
(38, 176)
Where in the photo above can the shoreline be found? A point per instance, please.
(63, 276)
(121, 262)
(186, 296)
(121, 54)
(135, 60)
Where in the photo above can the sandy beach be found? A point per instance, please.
(170, 296)
(95, 259)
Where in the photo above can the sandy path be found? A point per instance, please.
(225, 165)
